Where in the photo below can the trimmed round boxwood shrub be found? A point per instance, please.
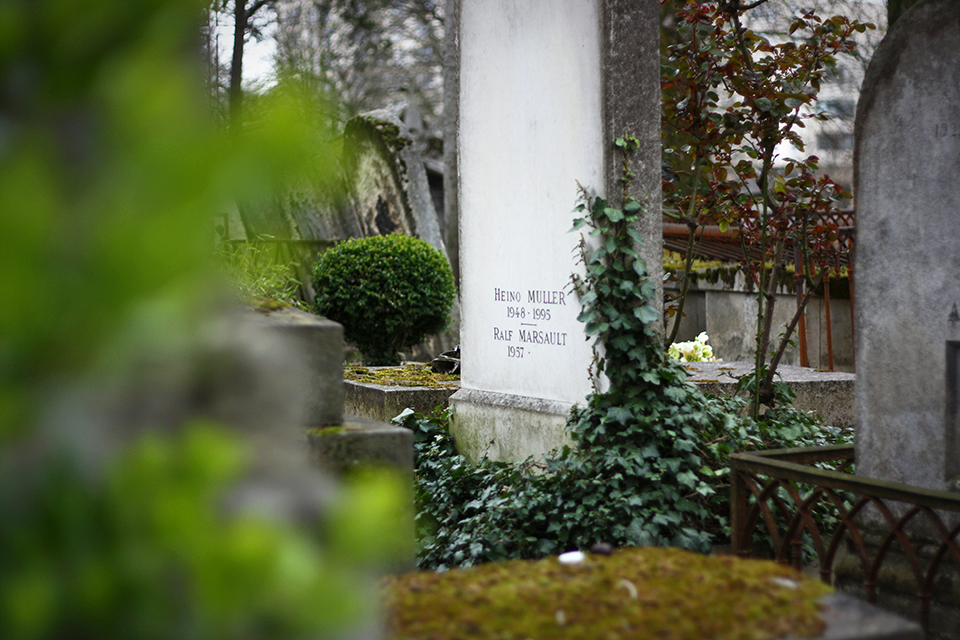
(388, 292)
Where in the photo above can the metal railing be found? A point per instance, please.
(767, 485)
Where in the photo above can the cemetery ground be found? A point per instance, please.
(487, 603)
(489, 512)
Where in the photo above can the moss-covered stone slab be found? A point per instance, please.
(380, 393)
(636, 594)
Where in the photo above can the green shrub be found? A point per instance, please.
(388, 292)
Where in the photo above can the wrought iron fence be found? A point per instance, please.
(788, 493)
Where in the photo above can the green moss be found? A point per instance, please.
(266, 305)
(640, 593)
(326, 431)
(388, 132)
(411, 375)
(385, 135)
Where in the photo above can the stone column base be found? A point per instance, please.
(505, 427)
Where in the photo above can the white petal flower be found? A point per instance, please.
(572, 557)
(696, 350)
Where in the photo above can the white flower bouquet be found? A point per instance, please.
(693, 351)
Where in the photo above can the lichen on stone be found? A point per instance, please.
(636, 594)
(410, 375)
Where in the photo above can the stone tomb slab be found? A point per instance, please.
(361, 443)
(848, 618)
(828, 393)
(385, 402)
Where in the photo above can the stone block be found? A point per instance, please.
(908, 252)
(828, 393)
(361, 442)
(545, 88)
(848, 618)
(318, 343)
(382, 402)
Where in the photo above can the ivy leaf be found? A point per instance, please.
(688, 479)
(635, 235)
(646, 314)
(621, 415)
(614, 215)
(675, 393)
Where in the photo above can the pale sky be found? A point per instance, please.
(257, 56)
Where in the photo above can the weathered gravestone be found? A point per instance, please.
(381, 188)
(545, 88)
(387, 179)
(908, 253)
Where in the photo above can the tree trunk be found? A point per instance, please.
(236, 63)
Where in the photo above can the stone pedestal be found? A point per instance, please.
(318, 345)
(311, 347)
(361, 443)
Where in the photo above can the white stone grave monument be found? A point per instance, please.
(908, 253)
(545, 88)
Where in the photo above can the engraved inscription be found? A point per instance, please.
(504, 295)
(946, 130)
(557, 338)
(546, 297)
(531, 313)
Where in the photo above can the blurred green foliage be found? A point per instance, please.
(149, 557)
(111, 169)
